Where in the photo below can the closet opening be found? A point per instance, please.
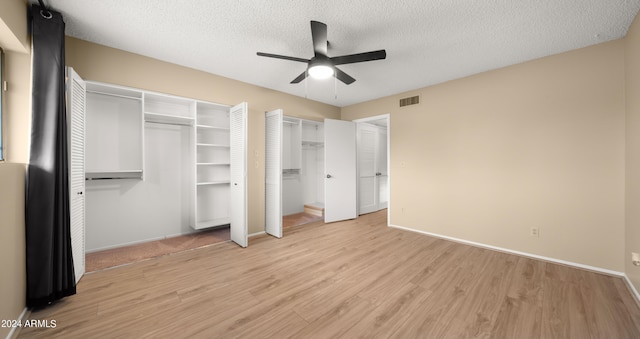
(302, 171)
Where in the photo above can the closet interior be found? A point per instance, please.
(302, 171)
(159, 166)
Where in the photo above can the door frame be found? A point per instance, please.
(386, 116)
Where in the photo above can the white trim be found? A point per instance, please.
(633, 289)
(257, 233)
(137, 242)
(524, 254)
(20, 318)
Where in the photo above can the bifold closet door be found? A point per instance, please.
(340, 181)
(76, 108)
(273, 173)
(238, 175)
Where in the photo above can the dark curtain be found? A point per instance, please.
(50, 274)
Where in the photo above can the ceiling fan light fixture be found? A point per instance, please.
(320, 72)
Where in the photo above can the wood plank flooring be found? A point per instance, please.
(349, 279)
(100, 260)
(298, 219)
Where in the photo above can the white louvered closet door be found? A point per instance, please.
(238, 155)
(76, 102)
(273, 173)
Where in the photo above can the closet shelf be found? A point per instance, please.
(213, 127)
(113, 174)
(168, 119)
(213, 145)
(219, 182)
(312, 143)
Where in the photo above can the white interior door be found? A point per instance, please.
(340, 181)
(238, 155)
(367, 168)
(76, 101)
(273, 173)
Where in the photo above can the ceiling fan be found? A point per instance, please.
(321, 66)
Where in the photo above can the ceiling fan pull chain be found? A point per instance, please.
(335, 87)
(305, 84)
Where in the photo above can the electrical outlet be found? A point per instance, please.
(535, 232)
(635, 258)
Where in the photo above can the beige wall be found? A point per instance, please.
(13, 27)
(632, 65)
(539, 144)
(100, 63)
(12, 249)
(16, 117)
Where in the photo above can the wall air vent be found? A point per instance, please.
(410, 101)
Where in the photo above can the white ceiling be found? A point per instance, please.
(427, 41)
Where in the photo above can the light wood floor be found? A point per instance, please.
(125, 255)
(101, 260)
(299, 219)
(349, 279)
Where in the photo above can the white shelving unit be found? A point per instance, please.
(193, 175)
(213, 166)
(168, 109)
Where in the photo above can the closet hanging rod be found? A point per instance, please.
(114, 95)
(168, 123)
(110, 178)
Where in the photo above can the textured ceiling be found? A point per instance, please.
(427, 41)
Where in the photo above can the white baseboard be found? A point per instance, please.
(506, 250)
(21, 320)
(141, 241)
(257, 233)
(633, 289)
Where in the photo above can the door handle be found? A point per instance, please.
(79, 193)
(328, 176)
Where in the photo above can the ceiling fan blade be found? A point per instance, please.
(359, 57)
(299, 77)
(344, 77)
(284, 57)
(319, 37)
